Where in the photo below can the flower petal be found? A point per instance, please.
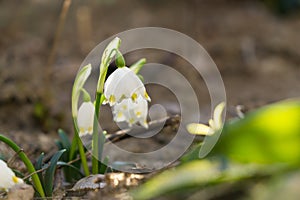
(141, 111)
(131, 112)
(218, 115)
(124, 83)
(85, 118)
(8, 177)
(212, 124)
(120, 110)
(199, 129)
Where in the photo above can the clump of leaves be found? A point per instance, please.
(71, 164)
(268, 135)
(47, 171)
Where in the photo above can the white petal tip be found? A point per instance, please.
(199, 129)
(145, 125)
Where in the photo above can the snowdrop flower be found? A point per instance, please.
(215, 124)
(131, 112)
(123, 83)
(85, 118)
(8, 178)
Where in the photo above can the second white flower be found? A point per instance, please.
(131, 112)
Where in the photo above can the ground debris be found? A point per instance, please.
(20, 192)
(92, 182)
(108, 182)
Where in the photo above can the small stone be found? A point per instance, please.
(21, 192)
(92, 182)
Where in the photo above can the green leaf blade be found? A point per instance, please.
(49, 175)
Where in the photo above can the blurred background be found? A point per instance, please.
(255, 44)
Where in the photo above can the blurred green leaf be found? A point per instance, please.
(268, 135)
(59, 144)
(199, 174)
(193, 154)
(65, 143)
(273, 188)
(268, 140)
(64, 139)
(192, 174)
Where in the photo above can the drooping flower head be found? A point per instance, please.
(85, 119)
(123, 83)
(126, 93)
(8, 178)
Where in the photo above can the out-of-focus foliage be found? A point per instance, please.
(268, 135)
(279, 187)
(199, 174)
(266, 141)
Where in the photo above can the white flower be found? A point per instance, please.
(131, 112)
(8, 177)
(126, 93)
(215, 124)
(121, 84)
(85, 119)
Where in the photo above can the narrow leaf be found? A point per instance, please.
(39, 165)
(64, 164)
(136, 67)
(50, 172)
(64, 139)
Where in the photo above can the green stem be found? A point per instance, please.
(73, 148)
(98, 103)
(81, 150)
(99, 99)
(101, 80)
(82, 156)
(95, 145)
(27, 162)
